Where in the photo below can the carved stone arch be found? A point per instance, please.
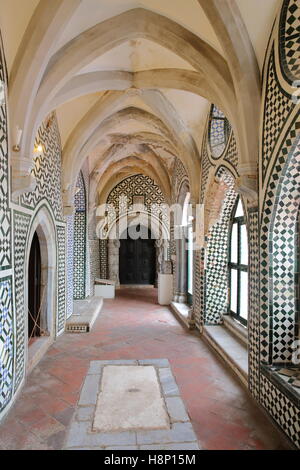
(43, 224)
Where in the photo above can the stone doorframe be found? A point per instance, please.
(44, 226)
(158, 230)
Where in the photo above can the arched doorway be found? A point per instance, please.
(42, 249)
(137, 262)
(34, 288)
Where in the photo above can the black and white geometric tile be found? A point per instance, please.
(61, 278)
(47, 170)
(289, 44)
(6, 342)
(278, 106)
(253, 318)
(21, 228)
(216, 281)
(271, 206)
(70, 264)
(80, 232)
(5, 212)
(284, 412)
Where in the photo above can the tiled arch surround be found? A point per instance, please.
(120, 201)
(278, 133)
(16, 218)
(272, 321)
(279, 203)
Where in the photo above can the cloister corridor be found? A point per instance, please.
(134, 326)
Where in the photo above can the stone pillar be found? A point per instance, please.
(181, 265)
(113, 260)
(103, 247)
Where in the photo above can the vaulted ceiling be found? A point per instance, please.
(132, 81)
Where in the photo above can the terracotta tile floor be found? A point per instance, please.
(134, 327)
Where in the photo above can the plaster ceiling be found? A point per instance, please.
(258, 16)
(187, 13)
(137, 55)
(69, 114)
(14, 19)
(187, 110)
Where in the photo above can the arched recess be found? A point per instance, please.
(135, 200)
(283, 314)
(159, 230)
(43, 225)
(218, 208)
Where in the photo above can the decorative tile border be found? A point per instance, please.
(6, 342)
(282, 410)
(21, 228)
(216, 274)
(80, 229)
(180, 435)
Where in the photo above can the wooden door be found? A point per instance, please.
(137, 260)
(34, 287)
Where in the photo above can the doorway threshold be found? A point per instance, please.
(135, 286)
(36, 351)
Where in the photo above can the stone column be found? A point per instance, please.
(181, 265)
(113, 260)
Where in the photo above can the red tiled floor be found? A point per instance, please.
(133, 326)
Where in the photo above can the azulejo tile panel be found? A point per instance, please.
(284, 412)
(137, 185)
(79, 255)
(21, 227)
(283, 262)
(278, 106)
(103, 259)
(232, 154)
(280, 205)
(47, 170)
(6, 341)
(216, 285)
(270, 206)
(70, 264)
(61, 277)
(5, 212)
(289, 45)
(253, 320)
(80, 233)
(178, 177)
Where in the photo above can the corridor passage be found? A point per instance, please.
(133, 326)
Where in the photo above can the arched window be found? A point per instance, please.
(238, 265)
(219, 130)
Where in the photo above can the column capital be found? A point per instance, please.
(23, 180)
(247, 183)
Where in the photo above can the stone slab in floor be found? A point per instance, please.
(110, 421)
(130, 399)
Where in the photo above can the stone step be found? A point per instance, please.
(85, 313)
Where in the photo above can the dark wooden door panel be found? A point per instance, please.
(137, 260)
(34, 287)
